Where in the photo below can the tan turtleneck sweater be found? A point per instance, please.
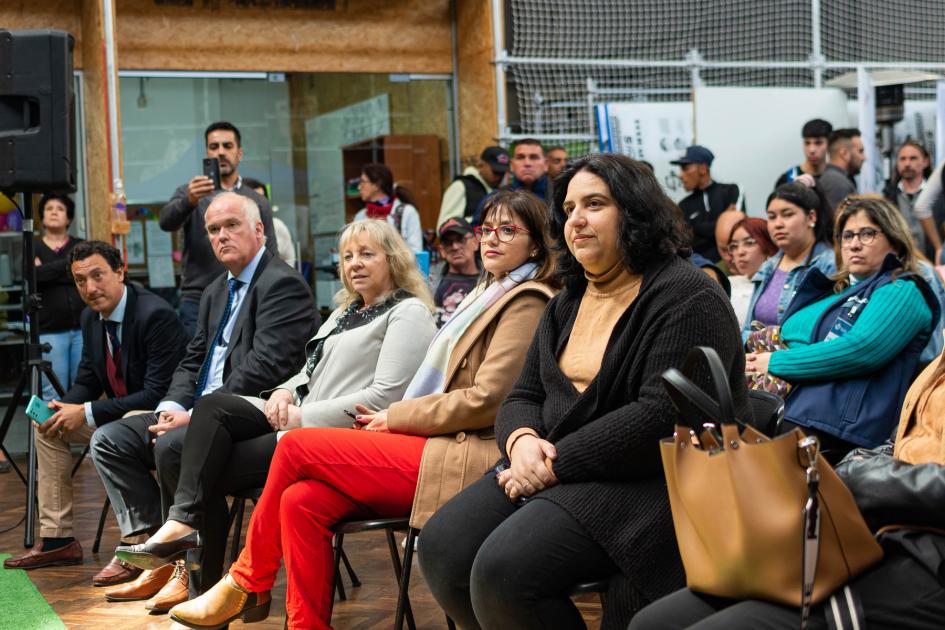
(606, 298)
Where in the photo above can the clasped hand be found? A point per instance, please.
(282, 412)
(757, 362)
(167, 420)
(531, 469)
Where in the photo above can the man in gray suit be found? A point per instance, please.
(251, 328)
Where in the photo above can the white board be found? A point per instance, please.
(755, 133)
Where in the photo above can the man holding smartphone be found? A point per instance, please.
(186, 211)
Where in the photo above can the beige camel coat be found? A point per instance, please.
(484, 365)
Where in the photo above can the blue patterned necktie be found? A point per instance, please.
(232, 286)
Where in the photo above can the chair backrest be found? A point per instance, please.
(767, 411)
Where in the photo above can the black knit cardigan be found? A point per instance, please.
(608, 464)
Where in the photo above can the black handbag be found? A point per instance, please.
(891, 492)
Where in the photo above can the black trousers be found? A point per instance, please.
(898, 594)
(226, 448)
(491, 564)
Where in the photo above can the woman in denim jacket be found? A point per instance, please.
(800, 225)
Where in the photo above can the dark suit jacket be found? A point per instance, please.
(152, 344)
(267, 346)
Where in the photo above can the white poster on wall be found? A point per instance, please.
(652, 132)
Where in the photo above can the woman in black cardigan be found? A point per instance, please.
(579, 493)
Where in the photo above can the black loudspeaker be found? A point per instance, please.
(37, 111)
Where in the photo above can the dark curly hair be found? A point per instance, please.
(651, 225)
(86, 249)
(808, 199)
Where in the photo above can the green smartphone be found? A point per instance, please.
(38, 410)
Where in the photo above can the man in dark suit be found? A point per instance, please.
(132, 341)
(252, 326)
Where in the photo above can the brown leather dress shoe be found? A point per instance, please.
(144, 587)
(116, 572)
(36, 557)
(174, 591)
(225, 602)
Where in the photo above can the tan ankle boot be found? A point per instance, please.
(223, 603)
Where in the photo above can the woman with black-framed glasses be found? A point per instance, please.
(854, 340)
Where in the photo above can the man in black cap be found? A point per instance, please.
(457, 276)
(463, 196)
(706, 201)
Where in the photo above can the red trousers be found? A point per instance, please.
(318, 478)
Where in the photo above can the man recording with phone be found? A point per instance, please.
(187, 208)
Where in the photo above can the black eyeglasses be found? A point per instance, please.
(505, 232)
(866, 236)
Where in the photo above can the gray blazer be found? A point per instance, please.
(371, 365)
(277, 312)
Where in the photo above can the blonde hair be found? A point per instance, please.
(890, 222)
(404, 273)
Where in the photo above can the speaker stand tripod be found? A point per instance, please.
(34, 366)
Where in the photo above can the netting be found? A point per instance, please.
(560, 41)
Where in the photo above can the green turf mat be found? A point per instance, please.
(21, 605)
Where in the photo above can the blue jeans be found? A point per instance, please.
(64, 357)
(187, 312)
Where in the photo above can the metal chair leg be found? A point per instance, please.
(240, 507)
(450, 624)
(339, 541)
(403, 596)
(355, 582)
(101, 525)
(398, 570)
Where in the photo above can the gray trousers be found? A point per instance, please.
(123, 454)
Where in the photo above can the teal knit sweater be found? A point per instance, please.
(895, 314)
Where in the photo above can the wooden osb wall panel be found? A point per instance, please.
(477, 100)
(355, 36)
(97, 183)
(61, 15)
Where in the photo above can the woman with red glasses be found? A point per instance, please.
(407, 459)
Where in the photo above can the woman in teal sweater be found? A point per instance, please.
(852, 353)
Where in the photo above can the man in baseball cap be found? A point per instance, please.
(463, 196)
(453, 280)
(707, 199)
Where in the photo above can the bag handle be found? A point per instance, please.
(692, 402)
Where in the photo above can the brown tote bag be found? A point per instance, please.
(753, 518)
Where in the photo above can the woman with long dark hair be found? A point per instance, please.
(579, 491)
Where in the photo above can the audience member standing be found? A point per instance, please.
(249, 324)
(529, 173)
(815, 133)
(913, 167)
(846, 159)
(60, 304)
(187, 208)
(386, 201)
(284, 242)
(463, 196)
(931, 202)
(557, 160)
(707, 199)
(459, 274)
(132, 341)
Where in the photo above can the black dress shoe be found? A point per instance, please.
(156, 555)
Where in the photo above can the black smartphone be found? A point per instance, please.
(211, 169)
